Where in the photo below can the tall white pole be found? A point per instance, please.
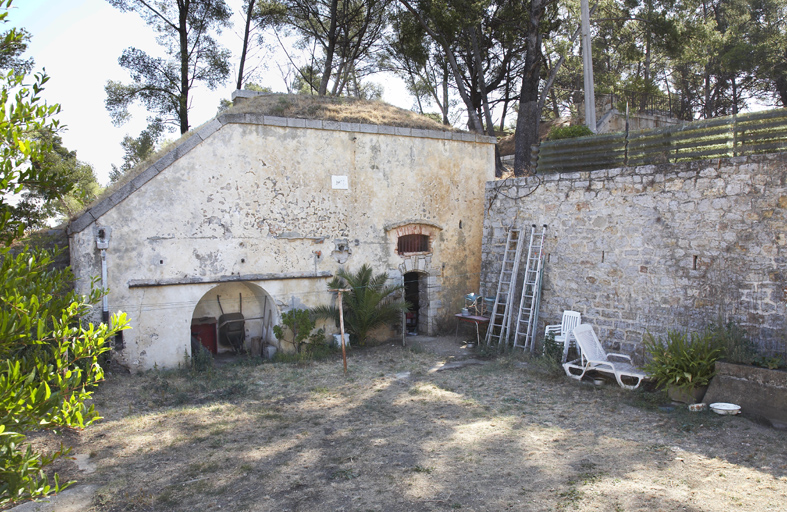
(587, 66)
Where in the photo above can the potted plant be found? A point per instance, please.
(682, 364)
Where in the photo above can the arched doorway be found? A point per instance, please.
(233, 317)
(416, 292)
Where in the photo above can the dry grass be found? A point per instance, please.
(503, 436)
(329, 108)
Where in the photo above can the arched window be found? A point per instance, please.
(413, 237)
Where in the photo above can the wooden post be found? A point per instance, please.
(404, 319)
(341, 326)
(404, 329)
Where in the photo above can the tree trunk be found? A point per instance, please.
(183, 33)
(444, 107)
(781, 88)
(490, 126)
(526, 134)
(506, 100)
(781, 80)
(249, 10)
(417, 96)
(555, 106)
(473, 121)
(339, 80)
(326, 74)
(440, 97)
(548, 90)
(648, 37)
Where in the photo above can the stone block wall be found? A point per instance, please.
(652, 248)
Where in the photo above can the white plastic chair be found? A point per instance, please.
(563, 331)
(593, 357)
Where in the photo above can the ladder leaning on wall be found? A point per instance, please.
(527, 315)
(500, 321)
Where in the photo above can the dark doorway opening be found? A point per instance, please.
(412, 294)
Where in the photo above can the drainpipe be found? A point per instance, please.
(104, 299)
(102, 242)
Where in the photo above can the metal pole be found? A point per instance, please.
(587, 66)
(104, 299)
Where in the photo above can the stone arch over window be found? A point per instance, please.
(413, 237)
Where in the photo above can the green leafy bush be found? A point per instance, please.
(738, 348)
(682, 361)
(550, 360)
(734, 342)
(769, 362)
(202, 360)
(553, 350)
(369, 304)
(49, 357)
(50, 362)
(299, 323)
(569, 132)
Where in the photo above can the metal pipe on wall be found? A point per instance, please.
(104, 299)
(102, 244)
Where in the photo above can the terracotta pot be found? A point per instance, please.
(687, 396)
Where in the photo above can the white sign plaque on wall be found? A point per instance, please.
(340, 182)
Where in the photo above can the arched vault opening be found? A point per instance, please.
(233, 317)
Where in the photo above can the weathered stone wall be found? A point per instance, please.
(654, 248)
(253, 200)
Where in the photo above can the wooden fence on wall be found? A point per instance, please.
(739, 135)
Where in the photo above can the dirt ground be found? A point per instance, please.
(398, 434)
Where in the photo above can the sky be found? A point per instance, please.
(78, 43)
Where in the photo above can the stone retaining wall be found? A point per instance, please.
(655, 247)
(761, 393)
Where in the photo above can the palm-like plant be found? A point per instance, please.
(370, 303)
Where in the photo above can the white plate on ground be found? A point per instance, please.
(725, 408)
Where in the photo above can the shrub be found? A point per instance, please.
(738, 348)
(369, 304)
(682, 361)
(569, 132)
(550, 360)
(202, 360)
(49, 357)
(299, 323)
(769, 362)
(553, 351)
(734, 342)
(50, 362)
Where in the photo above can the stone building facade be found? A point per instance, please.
(255, 214)
(656, 247)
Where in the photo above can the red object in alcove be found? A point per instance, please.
(206, 333)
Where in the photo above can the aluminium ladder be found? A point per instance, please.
(500, 320)
(527, 317)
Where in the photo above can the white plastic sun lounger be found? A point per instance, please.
(593, 357)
